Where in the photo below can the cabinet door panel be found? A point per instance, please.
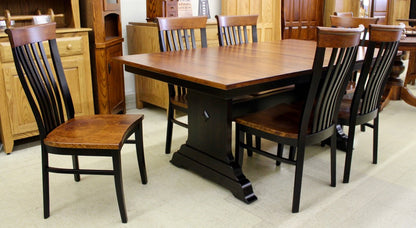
(74, 68)
(115, 80)
(20, 113)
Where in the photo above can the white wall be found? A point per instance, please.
(135, 11)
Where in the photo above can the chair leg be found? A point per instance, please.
(333, 159)
(375, 140)
(169, 130)
(239, 151)
(348, 155)
(362, 127)
(298, 179)
(45, 183)
(279, 153)
(118, 180)
(140, 153)
(75, 164)
(258, 142)
(249, 142)
(292, 151)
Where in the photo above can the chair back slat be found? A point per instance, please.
(374, 74)
(45, 86)
(177, 33)
(170, 32)
(233, 30)
(326, 87)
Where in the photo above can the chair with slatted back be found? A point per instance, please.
(175, 34)
(365, 103)
(313, 118)
(353, 22)
(233, 30)
(61, 132)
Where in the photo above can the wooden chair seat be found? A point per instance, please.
(179, 101)
(311, 119)
(42, 77)
(281, 120)
(107, 132)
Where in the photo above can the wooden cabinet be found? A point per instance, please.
(161, 8)
(269, 11)
(143, 38)
(16, 118)
(103, 16)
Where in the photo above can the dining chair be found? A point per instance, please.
(34, 49)
(175, 34)
(343, 14)
(313, 118)
(353, 22)
(233, 30)
(364, 106)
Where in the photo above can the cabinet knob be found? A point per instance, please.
(69, 47)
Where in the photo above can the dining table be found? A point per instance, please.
(217, 78)
(396, 88)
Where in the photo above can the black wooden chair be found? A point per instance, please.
(340, 20)
(234, 30)
(365, 104)
(175, 34)
(60, 131)
(312, 119)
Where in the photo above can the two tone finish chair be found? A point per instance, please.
(34, 49)
(365, 104)
(233, 30)
(313, 118)
(175, 34)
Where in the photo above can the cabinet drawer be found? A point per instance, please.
(67, 46)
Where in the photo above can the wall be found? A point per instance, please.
(135, 11)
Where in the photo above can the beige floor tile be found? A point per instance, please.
(381, 195)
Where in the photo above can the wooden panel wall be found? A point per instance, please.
(301, 17)
(269, 15)
(398, 9)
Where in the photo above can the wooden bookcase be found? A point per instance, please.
(16, 118)
(161, 8)
(103, 16)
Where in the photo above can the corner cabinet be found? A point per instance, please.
(103, 16)
(16, 118)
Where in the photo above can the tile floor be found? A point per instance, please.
(382, 195)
